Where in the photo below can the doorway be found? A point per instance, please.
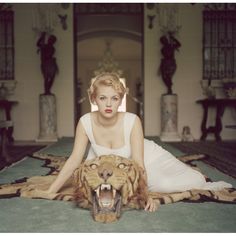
(108, 33)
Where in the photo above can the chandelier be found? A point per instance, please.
(107, 63)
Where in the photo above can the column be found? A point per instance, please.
(48, 118)
(169, 118)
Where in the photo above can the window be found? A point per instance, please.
(219, 43)
(6, 45)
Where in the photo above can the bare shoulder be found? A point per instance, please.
(133, 117)
(138, 122)
(85, 116)
(80, 142)
(93, 116)
(137, 127)
(80, 126)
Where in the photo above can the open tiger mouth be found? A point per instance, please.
(106, 199)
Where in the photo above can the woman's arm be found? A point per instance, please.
(137, 150)
(80, 144)
(137, 142)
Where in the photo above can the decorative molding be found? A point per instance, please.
(5, 7)
(109, 31)
(220, 6)
(108, 8)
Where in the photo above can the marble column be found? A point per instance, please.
(48, 118)
(169, 118)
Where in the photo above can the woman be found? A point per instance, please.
(120, 133)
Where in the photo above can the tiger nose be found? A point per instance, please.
(105, 173)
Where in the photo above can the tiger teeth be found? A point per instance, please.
(97, 191)
(114, 193)
(106, 186)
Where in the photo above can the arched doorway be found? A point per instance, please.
(122, 26)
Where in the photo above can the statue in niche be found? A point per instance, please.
(168, 64)
(49, 66)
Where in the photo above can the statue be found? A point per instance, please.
(49, 66)
(168, 64)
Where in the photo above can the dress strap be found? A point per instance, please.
(129, 119)
(86, 121)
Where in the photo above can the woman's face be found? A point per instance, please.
(108, 100)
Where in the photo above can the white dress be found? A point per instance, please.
(165, 172)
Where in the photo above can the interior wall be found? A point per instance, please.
(108, 40)
(186, 79)
(29, 79)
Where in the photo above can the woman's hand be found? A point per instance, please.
(34, 192)
(45, 194)
(151, 205)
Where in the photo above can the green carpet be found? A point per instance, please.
(36, 215)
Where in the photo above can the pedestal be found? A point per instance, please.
(48, 118)
(169, 118)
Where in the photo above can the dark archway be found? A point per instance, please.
(123, 23)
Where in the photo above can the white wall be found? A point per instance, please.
(30, 81)
(186, 79)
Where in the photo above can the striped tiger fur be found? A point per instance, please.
(29, 187)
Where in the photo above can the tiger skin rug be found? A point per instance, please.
(106, 185)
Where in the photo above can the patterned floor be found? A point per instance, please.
(221, 155)
(18, 152)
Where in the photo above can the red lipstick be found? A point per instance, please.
(108, 110)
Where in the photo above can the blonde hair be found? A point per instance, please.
(107, 79)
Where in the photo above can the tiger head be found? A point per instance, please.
(108, 183)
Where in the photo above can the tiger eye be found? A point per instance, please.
(93, 166)
(121, 165)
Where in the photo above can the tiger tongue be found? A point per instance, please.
(106, 199)
(106, 194)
